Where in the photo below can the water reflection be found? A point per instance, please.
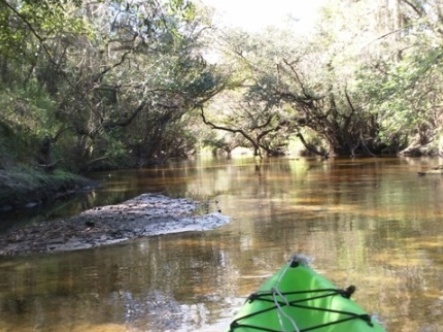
(372, 223)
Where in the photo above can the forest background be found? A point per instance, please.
(100, 84)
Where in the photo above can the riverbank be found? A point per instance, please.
(27, 187)
(142, 216)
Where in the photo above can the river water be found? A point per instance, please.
(373, 223)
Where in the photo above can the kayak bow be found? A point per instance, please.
(298, 299)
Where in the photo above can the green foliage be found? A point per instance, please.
(119, 81)
(367, 82)
(404, 92)
(27, 117)
(103, 87)
(186, 10)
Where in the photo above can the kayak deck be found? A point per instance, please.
(298, 299)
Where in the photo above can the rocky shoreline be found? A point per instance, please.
(142, 216)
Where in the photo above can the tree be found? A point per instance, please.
(312, 83)
(404, 91)
(252, 123)
(347, 83)
(119, 75)
(29, 35)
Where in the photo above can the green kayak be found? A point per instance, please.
(298, 299)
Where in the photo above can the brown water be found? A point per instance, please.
(372, 223)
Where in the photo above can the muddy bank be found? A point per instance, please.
(145, 215)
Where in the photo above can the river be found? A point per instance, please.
(373, 223)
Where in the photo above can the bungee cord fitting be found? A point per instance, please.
(303, 302)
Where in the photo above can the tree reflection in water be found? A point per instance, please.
(369, 222)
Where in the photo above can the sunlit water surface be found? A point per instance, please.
(371, 222)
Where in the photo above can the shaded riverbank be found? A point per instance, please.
(27, 187)
(142, 216)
